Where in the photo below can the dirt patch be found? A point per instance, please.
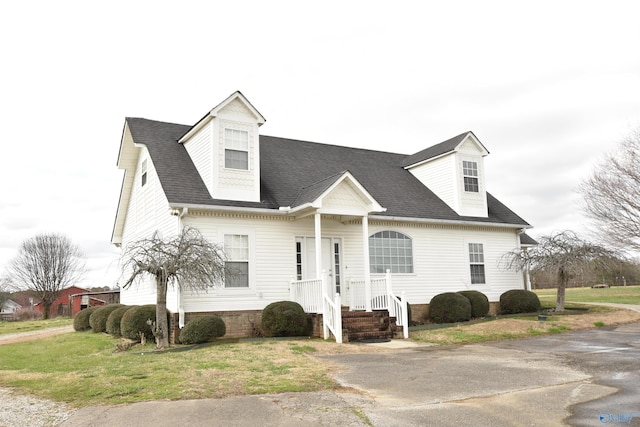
(34, 335)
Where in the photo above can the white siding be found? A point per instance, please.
(200, 149)
(148, 212)
(472, 204)
(441, 259)
(444, 176)
(439, 176)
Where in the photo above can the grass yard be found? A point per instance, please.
(83, 369)
(33, 325)
(616, 294)
(525, 326)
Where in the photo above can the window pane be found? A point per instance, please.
(236, 247)
(237, 274)
(471, 184)
(234, 159)
(237, 139)
(390, 250)
(477, 274)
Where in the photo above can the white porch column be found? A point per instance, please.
(318, 236)
(367, 269)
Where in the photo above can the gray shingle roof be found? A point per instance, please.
(292, 171)
(436, 150)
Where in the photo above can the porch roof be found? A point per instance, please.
(288, 167)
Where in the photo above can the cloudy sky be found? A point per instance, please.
(549, 87)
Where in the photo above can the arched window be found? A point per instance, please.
(390, 250)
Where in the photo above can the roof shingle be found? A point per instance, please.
(291, 170)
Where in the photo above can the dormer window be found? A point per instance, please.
(470, 174)
(143, 173)
(236, 149)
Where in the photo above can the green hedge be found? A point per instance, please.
(113, 321)
(81, 319)
(449, 307)
(202, 329)
(284, 319)
(519, 301)
(135, 320)
(98, 319)
(479, 303)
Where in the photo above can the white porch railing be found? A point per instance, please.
(315, 297)
(307, 293)
(382, 298)
(332, 317)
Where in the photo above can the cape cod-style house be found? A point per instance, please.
(328, 226)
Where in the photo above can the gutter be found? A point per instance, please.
(287, 210)
(449, 222)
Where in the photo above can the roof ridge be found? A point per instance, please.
(335, 145)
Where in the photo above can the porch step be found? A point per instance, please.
(361, 325)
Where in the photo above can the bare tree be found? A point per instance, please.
(562, 254)
(45, 265)
(5, 293)
(187, 260)
(612, 195)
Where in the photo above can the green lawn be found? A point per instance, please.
(33, 325)
(617, 294)
(83, 369)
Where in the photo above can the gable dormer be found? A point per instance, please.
(454, 171)
(224, 146)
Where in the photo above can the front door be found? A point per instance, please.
(331, 260)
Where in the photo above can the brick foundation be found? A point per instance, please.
(244, 324)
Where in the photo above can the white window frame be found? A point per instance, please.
(379, 255)
(232, 144)
(232, 257)
(470, 176)
(476, 258)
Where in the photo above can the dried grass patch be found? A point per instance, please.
(521, 327)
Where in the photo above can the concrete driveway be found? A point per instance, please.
(573, 378)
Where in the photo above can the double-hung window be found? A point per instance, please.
(236, 149)
(236, 247)
(476, 262)
(470, 174)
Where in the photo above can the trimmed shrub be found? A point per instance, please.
(519, 301)
(81, 320)
(449, 307)
(135, 320)
(98, 319)
(113, 320)
(202, 329)
(284, 319)
(479, 303)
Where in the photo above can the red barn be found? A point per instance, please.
(64, 305)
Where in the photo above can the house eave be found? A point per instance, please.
(449, 222)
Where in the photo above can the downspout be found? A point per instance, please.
(183, 212)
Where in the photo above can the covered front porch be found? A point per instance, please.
(321, 285)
